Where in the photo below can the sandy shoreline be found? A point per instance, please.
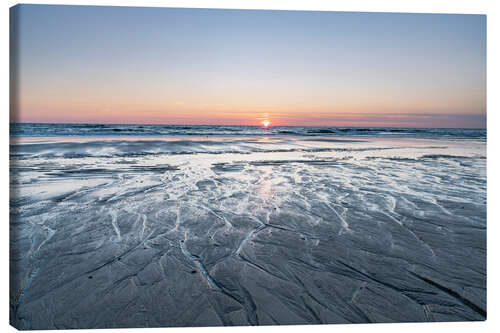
(284, 231)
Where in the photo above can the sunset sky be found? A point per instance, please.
(86, 64)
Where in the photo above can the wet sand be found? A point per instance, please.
(246, 231)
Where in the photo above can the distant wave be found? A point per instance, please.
(136, 148)
(43, 129)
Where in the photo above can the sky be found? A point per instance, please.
(89, 64)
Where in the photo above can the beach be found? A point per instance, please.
(121, 226)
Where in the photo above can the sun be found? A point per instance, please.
(266, 123)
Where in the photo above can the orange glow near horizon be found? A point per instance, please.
(348, 118)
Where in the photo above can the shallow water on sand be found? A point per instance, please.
(198, 231)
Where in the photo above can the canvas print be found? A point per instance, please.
(216, 167)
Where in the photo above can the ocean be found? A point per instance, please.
(175, 225)
(43, 129)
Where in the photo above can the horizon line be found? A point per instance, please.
(221, 125)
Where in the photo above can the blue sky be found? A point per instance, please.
(166, 65)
